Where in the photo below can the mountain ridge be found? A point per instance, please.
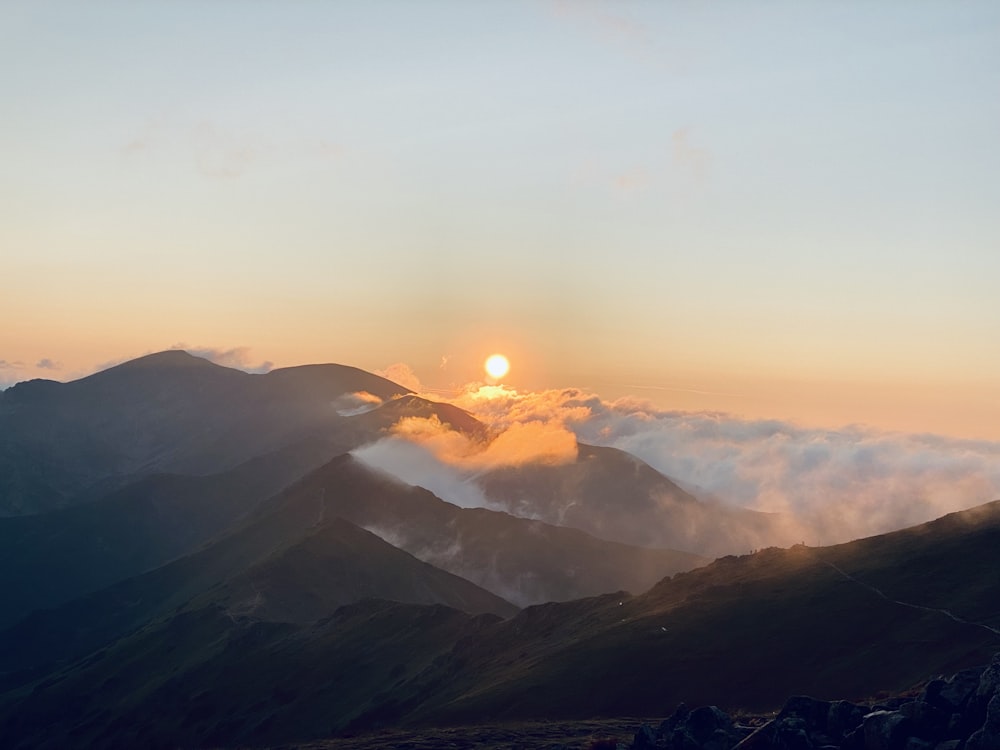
(169, 411)
(261, 585)
(743, 632)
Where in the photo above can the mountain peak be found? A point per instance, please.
(168, 358)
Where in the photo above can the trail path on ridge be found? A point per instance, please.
(880, 593)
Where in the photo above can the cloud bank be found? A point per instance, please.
(425, 452)
(843, 483)
(837, 484)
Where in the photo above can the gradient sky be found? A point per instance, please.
(773, 209)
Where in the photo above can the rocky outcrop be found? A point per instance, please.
(958, 713)
(704, 728)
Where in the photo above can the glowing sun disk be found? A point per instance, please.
(496, 365)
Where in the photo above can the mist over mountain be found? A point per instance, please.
(289, 529)
(525, 561)
(648, 508)
(822, 486)
(198, 556)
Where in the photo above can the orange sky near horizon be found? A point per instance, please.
(966, 409)
(783, 211)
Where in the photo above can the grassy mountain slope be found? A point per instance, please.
(742, 632)
(45, 638)
(503, 554)
(50, 558)
(747, 632)
(522, 560)
(205, 679)
(337, 563)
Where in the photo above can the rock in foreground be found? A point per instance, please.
(959, 713)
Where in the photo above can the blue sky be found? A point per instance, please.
(767, 199)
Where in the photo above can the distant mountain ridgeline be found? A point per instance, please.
(130, 468)
(66, 444)
(62, 443)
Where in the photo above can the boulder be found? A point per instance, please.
(929, 723)
(645, 738)
(709, 726)
(958, 713)
(761, 738)
(885, 730)
(989, 681)
(843, 718)
(704, 728)
(804, 723)
(953, 694)
(987, 737)
(676, 719)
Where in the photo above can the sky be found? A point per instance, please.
(774, 210)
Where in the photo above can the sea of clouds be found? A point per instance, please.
(836, 484)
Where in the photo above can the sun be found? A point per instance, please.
(497, 366)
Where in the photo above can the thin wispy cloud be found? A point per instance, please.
(352, 404)
(213, 150)
(416, 464)
(237, 357)
(8, 370)
(690, 161)
(401, 373)
(607, 24)
(220, 152)
(681, 163)
(324, 149)
(632, 180)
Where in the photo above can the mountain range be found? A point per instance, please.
(192, 557)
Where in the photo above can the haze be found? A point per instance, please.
(783, 210)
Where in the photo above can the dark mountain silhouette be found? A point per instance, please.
(68, 443)
(78, 627)
(528, 560)
(524, 561)
(166, 412)
(648, 509)
(339, 563)
(73, 443)
(189, 567)
(743, 632)
(206, 679)
(50, 558)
